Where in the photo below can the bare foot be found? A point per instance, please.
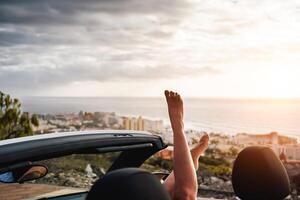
(175, 107)
(199, 149)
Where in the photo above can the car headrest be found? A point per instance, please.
(128, 183)
(259, 175)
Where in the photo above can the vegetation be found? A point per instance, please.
(209, 165)
(13, 122)
(217, 162)
(156, 164)
(78, 162)
(215, 166)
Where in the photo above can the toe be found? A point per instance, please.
(167, 93)
(172, 94)
(204, 138)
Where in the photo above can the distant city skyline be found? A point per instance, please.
(212, 49)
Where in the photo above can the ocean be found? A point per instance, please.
(230, 116)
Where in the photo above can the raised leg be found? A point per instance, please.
(185, 180)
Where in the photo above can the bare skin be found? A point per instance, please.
(196, 152)
(182, 183)
(199, 149)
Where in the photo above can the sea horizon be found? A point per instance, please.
(221, 115)
(292, 99)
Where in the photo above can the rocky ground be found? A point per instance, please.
(73, 178)
(68, 179)
(215, 187)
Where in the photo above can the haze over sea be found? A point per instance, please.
(229, 116)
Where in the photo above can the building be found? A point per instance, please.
(137, 124)
(263, 139)
(126, 123)
(156, 126)
(279, 143)
(292, 152)
(140, 123)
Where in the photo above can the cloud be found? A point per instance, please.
(47, 43)
(76, 22)
(51, 77)
(52, 43)
(66, 12)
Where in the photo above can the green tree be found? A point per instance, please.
(13, 122)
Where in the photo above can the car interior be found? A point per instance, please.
(262, 178)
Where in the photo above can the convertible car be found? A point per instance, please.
(22, 159)
(257, 172)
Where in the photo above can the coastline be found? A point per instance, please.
(211, 115)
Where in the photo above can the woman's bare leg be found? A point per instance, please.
(195, 153)
(199, 149)
(185, 187)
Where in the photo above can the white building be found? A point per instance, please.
(279, 143)
(155, 126)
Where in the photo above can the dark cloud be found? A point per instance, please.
(71, 11)
(77, 22)
(49, 43)
(13, 38)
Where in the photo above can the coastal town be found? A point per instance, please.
(84, 121)
(214, 176)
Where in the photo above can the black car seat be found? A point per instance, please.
(128, 184)
(258, 174)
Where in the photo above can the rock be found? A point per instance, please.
(50, 174)
(71, 180)
(204, 187)
(98, 171)
(216, 180)
(228, 183)
(61, 175)
(89, 171)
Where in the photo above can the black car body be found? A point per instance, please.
(135, 147)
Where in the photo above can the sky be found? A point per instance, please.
(200, 48)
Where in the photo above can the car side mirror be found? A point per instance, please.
(24, 174)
